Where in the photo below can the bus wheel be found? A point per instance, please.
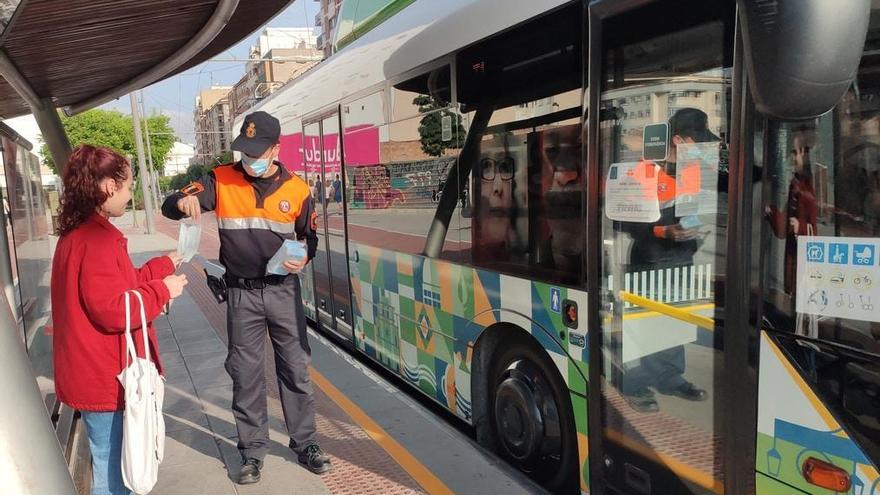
(532, 416)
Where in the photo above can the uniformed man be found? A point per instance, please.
(259, 204)
(668, 243)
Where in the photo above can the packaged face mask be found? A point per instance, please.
(290, 250)
(188, 238)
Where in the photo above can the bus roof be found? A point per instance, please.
(420, 33)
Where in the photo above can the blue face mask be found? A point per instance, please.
(257, 166)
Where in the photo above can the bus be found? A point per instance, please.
(631, 242)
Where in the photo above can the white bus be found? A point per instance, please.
(577, 226)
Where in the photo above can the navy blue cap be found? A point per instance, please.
(692, 122)
(259, 132)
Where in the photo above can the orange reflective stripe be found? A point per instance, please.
(236, 198)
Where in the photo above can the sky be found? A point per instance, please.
(176, 96)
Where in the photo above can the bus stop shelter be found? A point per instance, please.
(73, 56)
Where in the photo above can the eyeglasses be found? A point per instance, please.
(489, 168)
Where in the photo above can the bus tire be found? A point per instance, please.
(531, 414)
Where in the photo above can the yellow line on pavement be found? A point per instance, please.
(416, 469)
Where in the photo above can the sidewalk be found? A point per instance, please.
(380, 440)
(200, 450)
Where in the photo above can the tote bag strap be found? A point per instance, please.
(129, 341)
(144, 328)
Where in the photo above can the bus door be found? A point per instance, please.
(335, 224)
(322, 157)
(818, 404)
(663, 116)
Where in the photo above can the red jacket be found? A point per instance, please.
(91, 271)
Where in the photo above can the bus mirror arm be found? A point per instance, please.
(802, 55)
(458, 175)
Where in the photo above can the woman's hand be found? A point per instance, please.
(175, 284)
(176, 258)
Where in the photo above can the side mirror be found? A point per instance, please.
(802, 55)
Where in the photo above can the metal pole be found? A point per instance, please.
(31, 461)
(142, 165)
(53, 133)
(154, 183)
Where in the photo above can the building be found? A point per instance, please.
(281, 54)
(213, 119)
(178, 159)
(326, 19)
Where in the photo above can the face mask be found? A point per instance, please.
(258, 166)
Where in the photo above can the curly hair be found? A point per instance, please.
(86, 167)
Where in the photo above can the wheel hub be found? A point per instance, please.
(526, 418)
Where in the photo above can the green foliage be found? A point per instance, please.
(115, 130)
(431, 126)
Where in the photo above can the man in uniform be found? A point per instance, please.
(259, 205)
(668, 243)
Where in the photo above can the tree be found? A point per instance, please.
(115, 130)
(431, 126)
(162, 139)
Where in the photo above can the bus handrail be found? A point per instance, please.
(666, 309)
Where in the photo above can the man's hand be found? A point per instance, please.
(679, 234)
(176, 258)
(295, 266)
(189, 206)
(794, 225)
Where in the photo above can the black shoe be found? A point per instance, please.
(315, 459)
(688, 391)
(642, 400)
(250, 472)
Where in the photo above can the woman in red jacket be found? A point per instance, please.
(91, 272)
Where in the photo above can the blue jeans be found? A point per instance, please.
(105, 442)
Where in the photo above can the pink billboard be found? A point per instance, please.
(361, 148)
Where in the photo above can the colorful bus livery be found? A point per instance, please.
(610, 317)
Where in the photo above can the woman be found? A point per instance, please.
(801, 210)
(91, 272)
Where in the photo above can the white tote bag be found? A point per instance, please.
(143, 426)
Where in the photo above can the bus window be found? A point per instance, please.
(524, 211)
(822, 191)
(395, 171)
(527, 191)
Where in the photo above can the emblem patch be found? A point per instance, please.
(314, 221)
(284, 206)
(251, 130)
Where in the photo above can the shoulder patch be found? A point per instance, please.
(314, 221)
(192, 188)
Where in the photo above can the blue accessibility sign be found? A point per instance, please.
(838, 253)
(555, 300)
(816, 252)
(863, 254)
